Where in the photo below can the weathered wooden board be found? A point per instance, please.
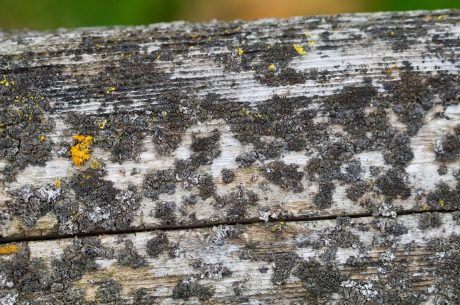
(411, 259)
(173, 125)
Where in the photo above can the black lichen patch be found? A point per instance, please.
(165, 211)
(122, 135)
(129, 257)
(227, 176)
(327, 166)
(101, 206)
(159, 182)
(389, 226)
(444, 197)
(205, 149)
(32, 203)
(429, 220)
(399, 152)
(411, 98)
(320, 280)
(448, 148)
(141, 296)
(392, 184)
(186, 289)
(109, 292)
(446, 271)
(357, 190)
(206, 186)
(211, 271)
(24, 127)
(364, 130)
(283, 175)
(157, 245)
(269, 61)
(237, 202)
(284, 263)
(323, 199)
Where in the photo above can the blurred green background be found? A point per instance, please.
(51, 14)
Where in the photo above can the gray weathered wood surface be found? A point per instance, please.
(207, 163)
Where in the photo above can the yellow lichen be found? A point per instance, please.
(102, 124)
(441, 203)
(57, 183)
(245, 111)
(8, 249)
(442, 17)
(390, 70)
(95, 164)
(240, 51)
(299, 49)
(271, 67)
(80, 151)
(5, 82)
(42, 138)
(311, 43)
(278, 226)
(110, 90)
(425, 207)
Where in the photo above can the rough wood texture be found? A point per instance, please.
(215, 157)
(412, 259)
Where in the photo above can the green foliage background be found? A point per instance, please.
(50, 14)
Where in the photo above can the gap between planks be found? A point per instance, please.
(7, 240)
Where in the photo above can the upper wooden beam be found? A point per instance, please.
(179, 124)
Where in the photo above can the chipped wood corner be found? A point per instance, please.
(298, 161)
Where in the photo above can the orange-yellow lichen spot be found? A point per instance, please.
(42, 138)
(80, 151)
(240, 51)
(8, 249)
(271, 67)
(299, 49)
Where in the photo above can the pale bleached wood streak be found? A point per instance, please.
(179, 124)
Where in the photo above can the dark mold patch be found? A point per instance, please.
(186, 289)
(283, 175)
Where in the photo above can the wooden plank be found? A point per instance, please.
(411, 259)
(183, 125)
